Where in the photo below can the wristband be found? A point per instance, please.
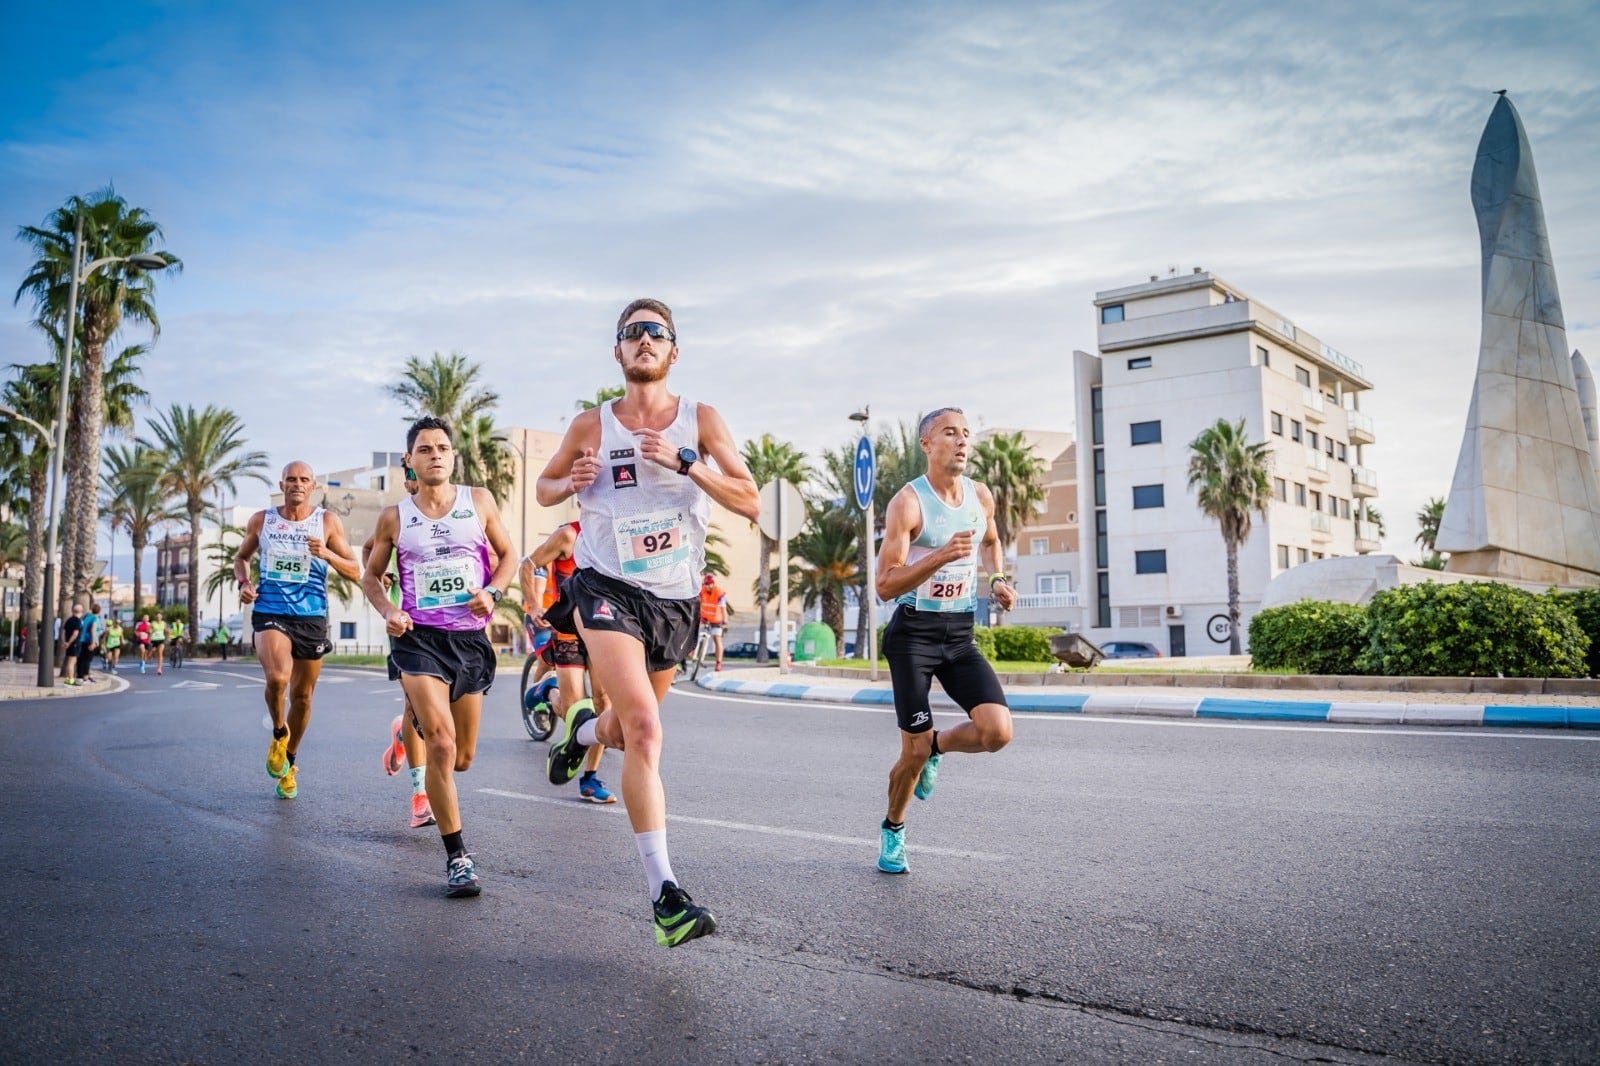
(995, 579)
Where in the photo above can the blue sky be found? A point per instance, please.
(902, 204)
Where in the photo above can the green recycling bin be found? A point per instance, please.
(815, 641)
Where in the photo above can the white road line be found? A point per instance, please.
(256, 679)
(1068, 717)
(768, 830)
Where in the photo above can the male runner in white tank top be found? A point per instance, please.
(929, 563)
(646, 494)
(443, 539)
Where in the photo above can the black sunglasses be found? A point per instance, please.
(634, 330)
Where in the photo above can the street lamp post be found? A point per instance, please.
(864, 416)
(80, 274)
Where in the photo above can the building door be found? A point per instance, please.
(1175, 642)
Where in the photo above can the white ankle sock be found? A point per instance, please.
(419, 780)
(586, 734)
(657, 867)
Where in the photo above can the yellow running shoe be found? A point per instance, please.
(287, 788)
(278, 756)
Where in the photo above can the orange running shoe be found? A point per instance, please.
(394, 756)
(421, 813)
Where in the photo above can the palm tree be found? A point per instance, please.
(137, 498)
(32, 393)
(1231, 477)
(601, 395)
(116, 294)
(769, 460)
(448, 387)
(203, 451)
(715, 563)
(222, 556)
(1015, 476)
(826, 552)
(1428, 520)
(1370, 515)
(485, 459)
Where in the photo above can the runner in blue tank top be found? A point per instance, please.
(934, 529)
(298, 541)
(455, 562)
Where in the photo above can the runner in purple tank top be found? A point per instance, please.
(455, 562)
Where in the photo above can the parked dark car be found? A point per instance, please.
(745, 649)
(1129, 649)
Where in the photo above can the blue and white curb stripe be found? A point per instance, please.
(1185, 706)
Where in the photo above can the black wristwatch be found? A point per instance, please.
(494, 593)
(687, 457)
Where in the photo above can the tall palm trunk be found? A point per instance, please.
(861, 600)
(833, 614)
(1233, 595)
(89, 409)
(764, 594)
(141, 541)
(32, 578)
(195, 509)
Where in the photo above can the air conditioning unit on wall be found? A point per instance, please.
(1174, 610)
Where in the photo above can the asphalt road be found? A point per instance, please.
(1120, 890)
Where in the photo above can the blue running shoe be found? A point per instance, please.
(591, 788)
(461, 877)
(566, 754)
(892, 854)
(926, 779)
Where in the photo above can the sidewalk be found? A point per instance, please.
(17, 683)
(1178, 700)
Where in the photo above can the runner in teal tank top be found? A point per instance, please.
(934, 532)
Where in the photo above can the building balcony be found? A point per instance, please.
(1315, 405)
(1316, 465)
(1360, 426)
(1366, 537)
(1321, 526)
(1045, 601)
(1363, 482)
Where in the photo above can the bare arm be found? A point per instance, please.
(556, 546)
(730, 484)
(991, 549)
(382, 546)
(499, 543)
(574, 466)
(334, 548)
(247, 550)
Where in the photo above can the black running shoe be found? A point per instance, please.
(566, 754)
(679, 919)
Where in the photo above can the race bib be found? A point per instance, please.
(950, 588)
(449, 581)
(649, 542)
(287, 565)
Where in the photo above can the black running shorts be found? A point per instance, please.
(463, 659)
(666, 628)
(308, 634)
(923, 645)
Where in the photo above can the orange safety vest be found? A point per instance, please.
(559, 570)
(712, 613)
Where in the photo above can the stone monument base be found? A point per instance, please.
(1357, 578)
(1498, 564)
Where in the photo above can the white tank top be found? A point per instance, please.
(642, 523)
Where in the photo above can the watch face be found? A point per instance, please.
(687, 455)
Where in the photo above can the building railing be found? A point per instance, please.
(1342, 361)
(1320, 523)
(1312, 399)
(1366, 531)
(1038, 601)
(1316, 460)
(1360, 424)
(1362, 477)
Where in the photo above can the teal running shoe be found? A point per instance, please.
(892, 853)
(926, 779)
(461, 877)
(678, 918)
(566, 754)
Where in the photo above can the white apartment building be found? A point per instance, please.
(1176, 354)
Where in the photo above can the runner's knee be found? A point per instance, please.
(994, 733)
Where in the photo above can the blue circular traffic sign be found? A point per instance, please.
(866, 472)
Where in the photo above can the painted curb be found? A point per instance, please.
(1183, 706)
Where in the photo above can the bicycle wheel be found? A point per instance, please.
(540, 721)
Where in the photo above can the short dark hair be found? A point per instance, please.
(427, 422)
(933, 416)
(645, 303)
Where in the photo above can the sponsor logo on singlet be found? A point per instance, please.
(437, 531)
(622, 453)
(460, 514)
(624, 476)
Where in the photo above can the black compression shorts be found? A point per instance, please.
(923, 645)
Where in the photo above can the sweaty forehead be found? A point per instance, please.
(298, 469)
(644, 314)
(432, 438)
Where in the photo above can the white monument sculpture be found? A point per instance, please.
(1525, 501)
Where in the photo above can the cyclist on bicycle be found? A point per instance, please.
(565, 653)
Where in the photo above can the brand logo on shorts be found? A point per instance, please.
(622, 453)
(602, 610)
(920, 718)
(624, 476)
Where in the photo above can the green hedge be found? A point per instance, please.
(1472, 629)
(985, 641)
(1585, 607)
(1310, 637)
(1023, 644)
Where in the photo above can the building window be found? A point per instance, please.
(1099, 477)
(1296, 430)
(1102, 613)
(1316, 555)
(347, 631)
(1039, 546)
(1054, 584)
(1097, 416)
(1333, 506)
(1277, 423)
(1280, 489)
(1102, 547)
(1072, 518)
(1140, 362)
(1316, 501)
(1299, 494)
(1146, 432)
(1302, 375)
(1266, 356)
(1149, 496)
(1283, 557)
(1343, 455)
(1305, 555)
(1151, 562)
(1344, 508)
(1313, 439)
(1111, 313)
